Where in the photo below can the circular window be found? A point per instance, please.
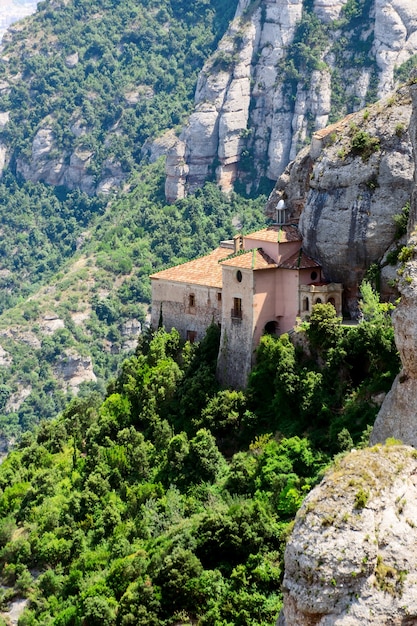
(313, 275)
(239, 276)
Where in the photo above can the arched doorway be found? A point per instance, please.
(271, 328)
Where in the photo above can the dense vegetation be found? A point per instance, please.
(105, 281)
(105, 77)
(171, 500)
(119, 72)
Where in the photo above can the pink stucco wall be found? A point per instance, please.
(279, 252)
(264, 301)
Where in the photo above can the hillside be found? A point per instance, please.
(86, 84)
(171, 501)
(73, 266)
(88, 109)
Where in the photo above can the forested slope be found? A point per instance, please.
(104, 77)
(171, 500)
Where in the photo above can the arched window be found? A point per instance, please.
(318, 301)
(306, 304)
(332, 301)
(239, 276)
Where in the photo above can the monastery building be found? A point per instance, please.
(250, 285)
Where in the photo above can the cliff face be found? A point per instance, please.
(398, 415)
(280, 73)
(347, 187)
(351, 560)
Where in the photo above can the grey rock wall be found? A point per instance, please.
(245, 123)
(350, 560)
(398, 414)
(346, 198)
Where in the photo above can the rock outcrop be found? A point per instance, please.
(351, 558)
(49, 165)
(398, 414)
(271, 84)
(346, 188)
(73, 370)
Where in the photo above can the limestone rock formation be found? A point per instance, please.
(73, 369)
(48, 164)
(347, 186)
(257, 102)
(398, 414)
(351, 558)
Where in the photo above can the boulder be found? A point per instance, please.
(350, 560)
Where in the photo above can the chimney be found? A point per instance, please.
(238, 243)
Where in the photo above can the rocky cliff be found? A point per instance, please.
(346, 188)
(284, 69)
(351, 560)
(397, 417)
(351, 557)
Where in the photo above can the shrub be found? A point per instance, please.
(364, 144)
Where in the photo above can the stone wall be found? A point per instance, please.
(235, 353)
(177, 312)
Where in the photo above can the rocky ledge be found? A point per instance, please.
(351, 559)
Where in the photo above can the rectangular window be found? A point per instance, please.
(219, 296)
(191, 336)
(191, 300)
(237, 308)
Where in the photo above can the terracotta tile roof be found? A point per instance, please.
(203, 271)
(255, 259)
(299, 261)
(340, 125)
(276, 234)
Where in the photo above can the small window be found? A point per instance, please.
(318, 300)
(306, 304)
(191, 336)
(191, 300)
(313, 275)
(237, 308)
(332, 301)
(239, 276)
(219, 296)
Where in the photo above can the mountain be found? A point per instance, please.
(93, 95)
(283, 70)
(156, 497)
(85, 85)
